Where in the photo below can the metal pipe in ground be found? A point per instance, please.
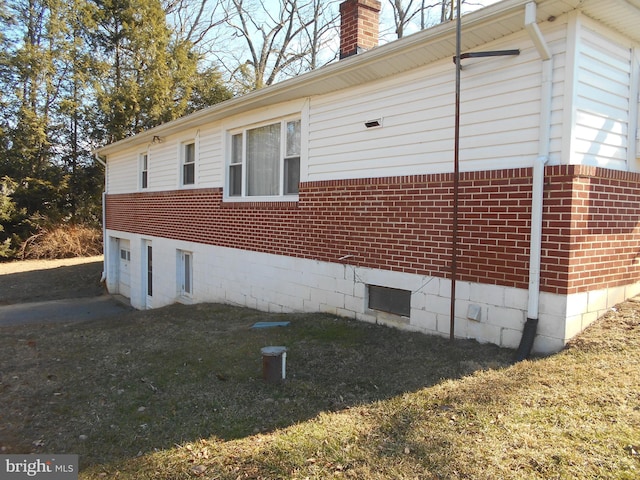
(456, 181)
(274, 364)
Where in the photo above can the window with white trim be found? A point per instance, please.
(189, 163)
(265, 160)
(185, 273)
(144, 170)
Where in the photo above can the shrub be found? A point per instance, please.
(63, 241)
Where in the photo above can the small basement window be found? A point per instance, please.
(390, 300)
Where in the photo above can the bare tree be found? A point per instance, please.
(319, 34)
(403, 13)
(417, 15)
(278, 43)
(196, 22)
(256, 43)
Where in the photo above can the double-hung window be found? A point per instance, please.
(265, 160)
(292, 158)
(144, 170)
(188, 163)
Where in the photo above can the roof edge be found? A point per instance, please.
(276, 93)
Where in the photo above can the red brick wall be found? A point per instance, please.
(591, 235)
(590, 232)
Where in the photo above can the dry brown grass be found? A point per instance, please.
(63, 241)
(176, 393)
(41, 280)
(575, 415)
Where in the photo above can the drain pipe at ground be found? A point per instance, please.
(537, 194)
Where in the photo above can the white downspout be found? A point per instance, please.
(104, 219)
(535, 250)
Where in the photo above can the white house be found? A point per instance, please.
(332, 191)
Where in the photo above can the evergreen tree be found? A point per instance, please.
(11, 219)
(43, 86)
(29, 70)
(148, 76)
(75, 74)
(75, 109)
(208, 89)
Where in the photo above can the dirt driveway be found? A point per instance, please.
(45, 291)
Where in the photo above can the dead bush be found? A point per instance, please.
(63, 241)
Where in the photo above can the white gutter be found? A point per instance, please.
(535, 249)
(104, 219)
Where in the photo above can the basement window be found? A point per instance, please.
(390, 300)
(185, 273)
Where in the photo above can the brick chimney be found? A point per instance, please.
(359, 26)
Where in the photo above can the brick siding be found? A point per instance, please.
(591, 237)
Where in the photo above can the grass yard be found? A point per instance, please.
(176, 393)
(42, 280)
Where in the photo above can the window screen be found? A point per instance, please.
(292, 158)
(235, 168)
(390, 300)
(189, 166)
(187, 273)
(263, 160)
(144, 159)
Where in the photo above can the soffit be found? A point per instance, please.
(619, 15)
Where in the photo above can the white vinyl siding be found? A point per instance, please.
(162, 174)
(602, 101)
(125, 168)
(500, 117)
(122, 172)
(210, 156)
(635, 130)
